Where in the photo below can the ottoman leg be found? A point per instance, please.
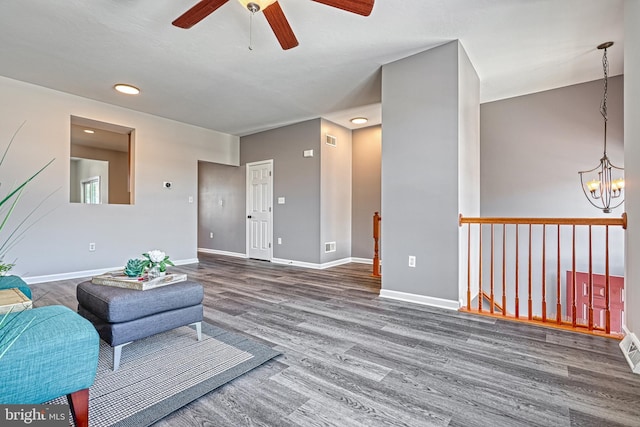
(117, 352)
(198, 326)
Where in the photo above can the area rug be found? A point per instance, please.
(164, 372)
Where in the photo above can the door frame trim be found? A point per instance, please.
(246, 197)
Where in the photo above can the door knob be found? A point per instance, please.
(249, 216)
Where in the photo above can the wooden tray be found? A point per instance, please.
(119, 280)
(12, 300)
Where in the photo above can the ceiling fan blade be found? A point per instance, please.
(280, 26)
(361, 7)
(197, 13)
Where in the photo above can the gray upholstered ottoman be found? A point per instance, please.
(122, 316)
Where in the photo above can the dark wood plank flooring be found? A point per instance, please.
(353, 359)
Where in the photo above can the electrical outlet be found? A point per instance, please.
(412, 261)
(211, 235)
(92, 247)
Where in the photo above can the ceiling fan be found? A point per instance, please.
(272, 11)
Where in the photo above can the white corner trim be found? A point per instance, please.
(88, 273)
(420, 299)
(218, 252)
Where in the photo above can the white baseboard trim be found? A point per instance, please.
(312, 265)
(219, 252)
(88, 273)
(362, 260)
(420, 299)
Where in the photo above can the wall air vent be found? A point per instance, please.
(330, 247)
(331, 140)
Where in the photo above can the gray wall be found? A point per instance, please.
(335, 192)
(221, 207)
(160, 219)
(366, 184)
(533, 147)
(632, 155)
(420, 173)
(297, 179)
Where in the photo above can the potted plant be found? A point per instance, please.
(8, 202)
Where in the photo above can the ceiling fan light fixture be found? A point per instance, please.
(359, 120)
(256, 5)
(126, 88)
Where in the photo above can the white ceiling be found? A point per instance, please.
(207, 76)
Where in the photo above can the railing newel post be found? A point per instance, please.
(376, 238)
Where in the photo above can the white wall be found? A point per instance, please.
(165, 151)
(632, 155)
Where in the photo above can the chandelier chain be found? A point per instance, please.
(605, 69)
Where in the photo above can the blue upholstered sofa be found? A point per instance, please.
(55, 355)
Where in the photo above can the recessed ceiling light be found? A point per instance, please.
(128, 89)
(359, 120)
(89, 131)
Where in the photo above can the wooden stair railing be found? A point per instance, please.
(376, 239)
(537, 294)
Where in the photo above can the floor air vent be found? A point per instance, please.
(631, 349)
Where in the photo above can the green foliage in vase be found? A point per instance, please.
(157, 258)
(134, 268)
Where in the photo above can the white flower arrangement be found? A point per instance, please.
(156, 258)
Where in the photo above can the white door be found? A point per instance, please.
(259, 204)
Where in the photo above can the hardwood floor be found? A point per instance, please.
(353, 359)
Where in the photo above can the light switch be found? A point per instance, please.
(281, 200)
(307, 153)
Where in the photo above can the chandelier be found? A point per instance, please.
(599, 184)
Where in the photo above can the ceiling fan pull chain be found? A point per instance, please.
(253, 12)
(250, 31)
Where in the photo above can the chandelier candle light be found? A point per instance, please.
(603, 188)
